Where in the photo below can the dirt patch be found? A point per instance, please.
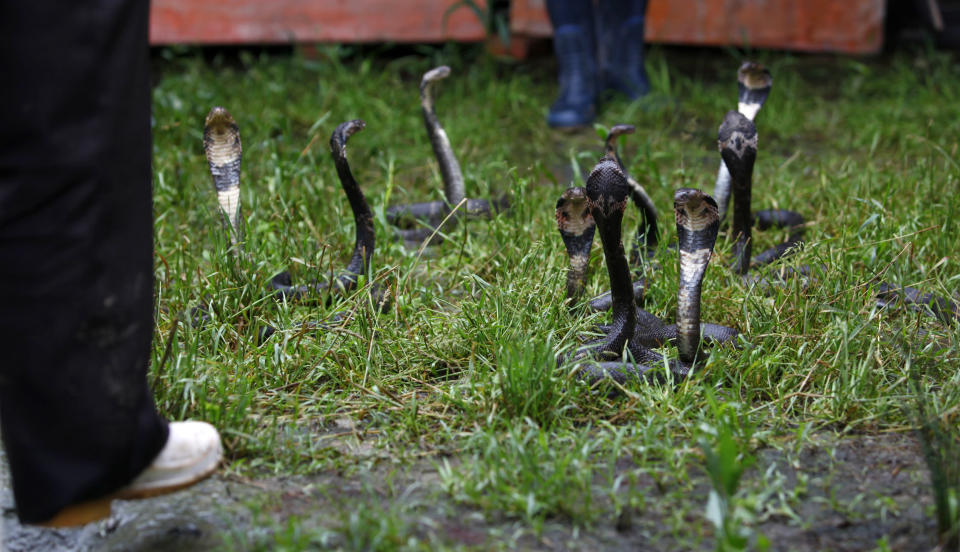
(843, 494)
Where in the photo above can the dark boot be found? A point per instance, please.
(577, 73)
(621, 50)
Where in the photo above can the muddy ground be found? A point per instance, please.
(851, 494)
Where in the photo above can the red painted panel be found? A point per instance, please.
(852, 26)
(284, 21)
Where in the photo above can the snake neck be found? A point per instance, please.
(453, 184)
(737, 139)
(698, 223)
(753, 87)
(742, 227)
(365, 240)
(621, 287)
(607, 192)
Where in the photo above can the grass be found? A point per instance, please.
(459, 371)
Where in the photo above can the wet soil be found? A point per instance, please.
(844, 494)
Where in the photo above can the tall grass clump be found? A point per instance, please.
(528, 382)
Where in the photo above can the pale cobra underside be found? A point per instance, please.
(221, 145)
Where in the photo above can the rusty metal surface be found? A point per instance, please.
(850, 26)
(285, 21)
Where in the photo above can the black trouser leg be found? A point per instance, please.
(76, 251)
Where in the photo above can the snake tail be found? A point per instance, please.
(647, 234)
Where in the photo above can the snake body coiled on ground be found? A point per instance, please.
(625, 352)
(431, 214)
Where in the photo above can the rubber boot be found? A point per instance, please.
(577, 74)
(621, 58)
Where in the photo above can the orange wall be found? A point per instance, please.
(852, 26)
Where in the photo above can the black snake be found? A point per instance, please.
(754, 82)
(432, 214)
(364, 238)
(737, 141)
(625, 352)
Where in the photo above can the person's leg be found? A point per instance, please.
(76, 268)
(621, 46)
(575, 48)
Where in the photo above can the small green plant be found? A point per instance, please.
(726, 450)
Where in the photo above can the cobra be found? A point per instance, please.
(754, 83)
(419, 221)
(625, 351)
(223, 149)
(364, 238)
(737, 141)
(738, 145)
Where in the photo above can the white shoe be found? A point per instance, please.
(192, 452)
